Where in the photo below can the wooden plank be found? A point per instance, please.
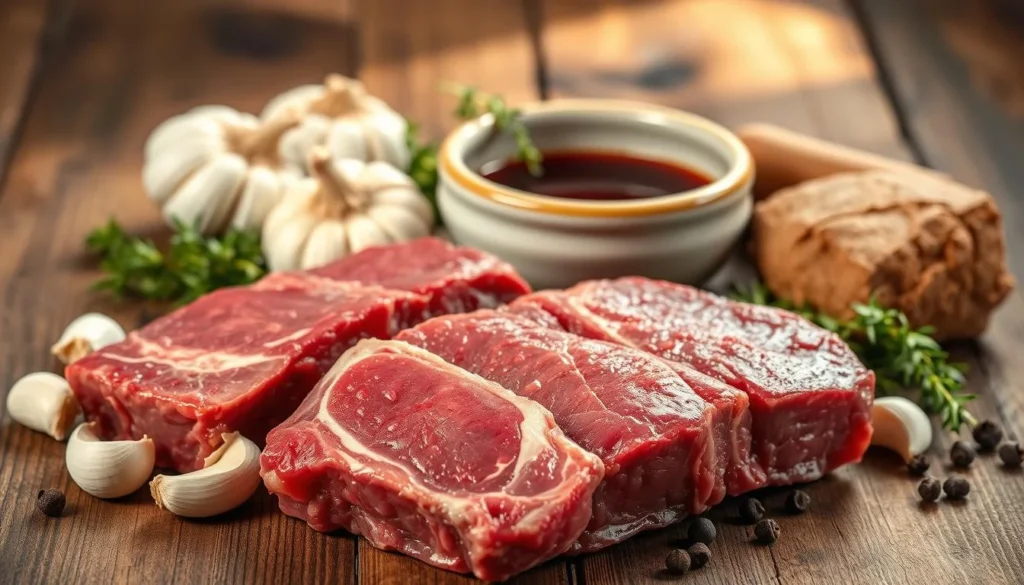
(803, 65)
(23, 26)
(405, 59)
(122, 68)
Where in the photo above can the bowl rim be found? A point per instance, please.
(739, 175)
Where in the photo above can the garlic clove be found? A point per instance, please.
(900, 425)
(108, 469)
(85, 335)
(364, 232)
(399, 223)
(302, 95)
(174, 132)
(283, 248)
(348, 140)
(43, 401)
(407, 198)
(206, 198)
(327, 242)
(230, 477)
(379, 175)
(165, 172)
(263, 190)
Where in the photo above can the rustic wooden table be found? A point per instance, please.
(82, 83)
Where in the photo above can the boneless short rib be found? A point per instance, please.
(809, 396)
(244, 358)
(650, 429)
(422, 457)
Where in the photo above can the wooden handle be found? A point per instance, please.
(784, 158)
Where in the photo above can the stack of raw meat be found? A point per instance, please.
(492, 440)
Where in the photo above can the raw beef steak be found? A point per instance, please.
(425, 458)
(810, 397)
(457, 279)
(737, 469)
(243, 358)
(627, 407)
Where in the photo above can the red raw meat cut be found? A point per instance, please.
(243, 358)
(422, 457)
(738, 472)
(458, 280)
(810, 397)
(625, 406)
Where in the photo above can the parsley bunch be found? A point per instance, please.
(901, 356)
(192, 266)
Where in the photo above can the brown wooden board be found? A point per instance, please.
(806, 66)
(118, 68)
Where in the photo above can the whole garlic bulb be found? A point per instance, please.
(215, 166)
(342, 117)
(346, 206)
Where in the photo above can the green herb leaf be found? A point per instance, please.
(900, 356)
(423, 165)
(192, 266)
(473, 102)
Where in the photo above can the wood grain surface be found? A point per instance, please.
(84, 83)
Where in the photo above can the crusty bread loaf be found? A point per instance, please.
(927, 246)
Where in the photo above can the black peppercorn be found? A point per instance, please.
(767, 531)
(700, 554)
(50, 502)
(919, 465)
(797, 502)
(702, 530)
(677, 562)
(961, 454)
(987, 434)
(1011, 454)
(956, 488)
(751, 510)
(929, 489)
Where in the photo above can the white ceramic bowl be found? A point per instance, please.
(556, 242)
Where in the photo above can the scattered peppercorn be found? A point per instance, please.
(677, 562)
(919, 465)
(50, 502)
(751, 510)
(987, 434)
(961, 454)
(767, 531)
(956, 488)
(702, 530)
(797, 502)
(929, 489)
(700, 554)
(1011, 454)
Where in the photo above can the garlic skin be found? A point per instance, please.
(342, 117)
(215, 167)
(85, 335)
(229, 478)
(346, 206)
(901, 426)
(43, 402)
(108, 469)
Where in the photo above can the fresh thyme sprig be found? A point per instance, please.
(192, 266)
(473, 103)
(901, 356)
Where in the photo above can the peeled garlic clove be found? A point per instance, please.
(108, 469)
(85, 335)
(900, 425)
(43, 402)
(228, 480)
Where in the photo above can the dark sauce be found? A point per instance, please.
(597, 176)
